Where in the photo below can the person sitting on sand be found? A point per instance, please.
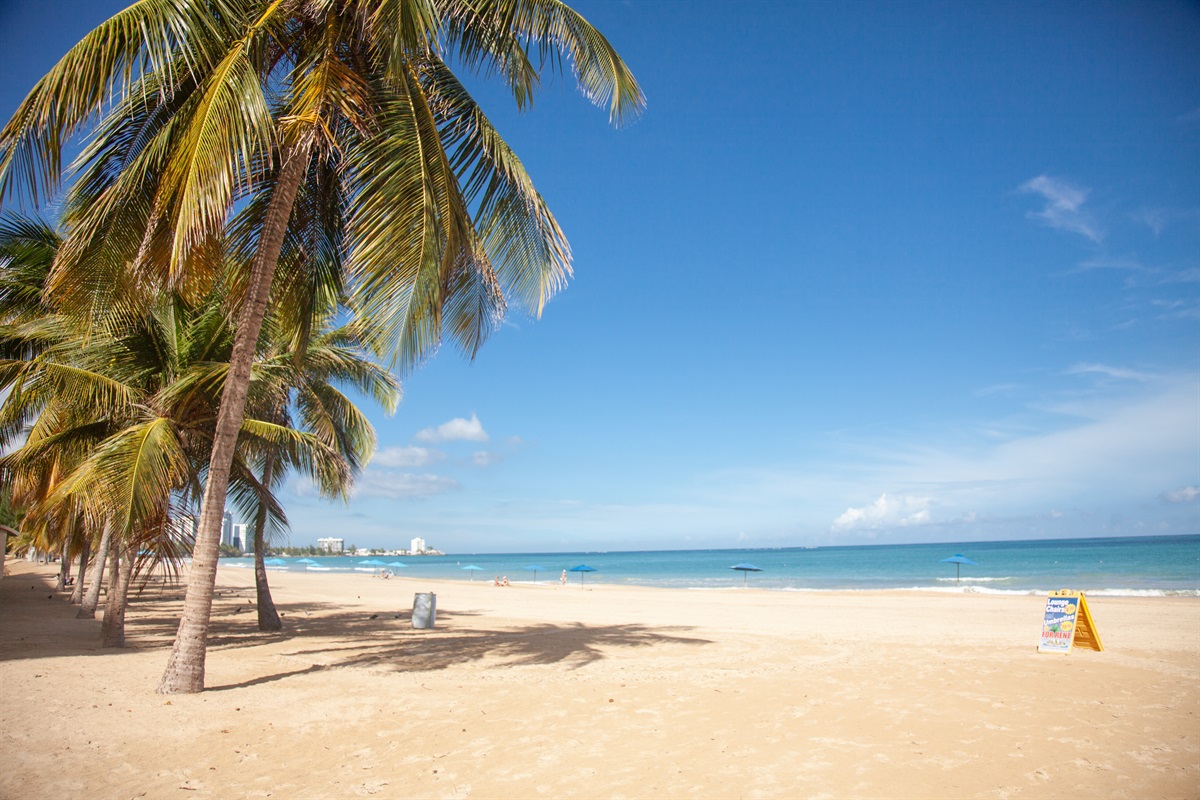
(504, 581)
(496, 581)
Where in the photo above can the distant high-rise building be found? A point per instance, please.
(418, 546)
(239, 537)
(227, 529)
(331, 545)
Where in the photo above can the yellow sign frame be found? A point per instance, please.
(1067, 622)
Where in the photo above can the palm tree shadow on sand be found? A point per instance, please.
(320, 636)
(331, 639)
(401, 649)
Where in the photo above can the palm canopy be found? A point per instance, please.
(118, 425)
(412, 192)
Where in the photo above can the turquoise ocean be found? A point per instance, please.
(1133, 566)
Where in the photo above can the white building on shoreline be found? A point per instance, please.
(331, 545)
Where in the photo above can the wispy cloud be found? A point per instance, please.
(457, 429)
(1177, 309)
(1156, 219)
(1039, 473)
(1120, 264)
(1064, 206)
(407, 457)
(1159, 219)
(1185, 494)
(1188, 275)
(1109, 372)
(402, 485)
(486, 458)
(996, 389)
(1190, 118)
(386, 484)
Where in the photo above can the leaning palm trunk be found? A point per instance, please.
(185, 669)
(113, 630)
(87, 609)
(85, 552)
(268, 616)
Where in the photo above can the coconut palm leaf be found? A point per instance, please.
(147, 38)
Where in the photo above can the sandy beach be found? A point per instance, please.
(603, 691)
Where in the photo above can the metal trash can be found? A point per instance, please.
(424, 613)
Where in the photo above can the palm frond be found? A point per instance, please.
(132, 473)
(146, 37)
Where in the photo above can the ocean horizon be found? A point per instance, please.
(1152, 566)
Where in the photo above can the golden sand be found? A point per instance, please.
(615, 692)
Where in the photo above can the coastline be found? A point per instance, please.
(1114, 566)
(601, 691)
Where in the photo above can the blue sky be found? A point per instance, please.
(861, 273)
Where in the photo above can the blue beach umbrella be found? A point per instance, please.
(535, 568)
(745, 569)
(958, 560)
(373, 562)
(305, 561)
(396, 564)
(274, 561)
(473, 570)
(582, 568)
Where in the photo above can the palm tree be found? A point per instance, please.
(299, 390)
(119, 423)
(433, 219)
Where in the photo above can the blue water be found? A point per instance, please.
(1152, 566)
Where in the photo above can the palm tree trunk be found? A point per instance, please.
(185, 668)
(64, 565)
(268, 616)
(85, 553)
(112, 632)
(87, 609)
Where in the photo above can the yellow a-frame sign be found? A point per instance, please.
(1068, 622)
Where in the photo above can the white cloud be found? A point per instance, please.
(386, 484)
(1107, 371)
(1186, 494)
(486, 458)
(886, 512)
(407, 457)
(1064, 206)
(1118, 263)
(457, 429)
(1130, 446)
(402, 485)
(1188, 275)
(1156, 219)
(1177, 309)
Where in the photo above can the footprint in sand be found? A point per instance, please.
(370, 787)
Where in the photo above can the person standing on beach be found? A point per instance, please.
(563, 578)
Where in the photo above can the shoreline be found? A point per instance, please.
(603, 691)
(967, 586)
